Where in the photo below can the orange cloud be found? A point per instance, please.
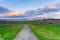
(12, 13)
(52, 7)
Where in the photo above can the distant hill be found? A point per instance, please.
(45, 21)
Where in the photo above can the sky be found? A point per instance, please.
(23, 5)
(29, 9)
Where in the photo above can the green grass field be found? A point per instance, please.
(46, 31)
(43, 30)
(9, 31)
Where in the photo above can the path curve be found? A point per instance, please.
(25, 34)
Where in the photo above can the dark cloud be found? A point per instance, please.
(3, 10)
(41, 11)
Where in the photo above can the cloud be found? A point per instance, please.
(41, 11)
(55, 15)
(52, 15)
(50, 11)
(37, 17)
(58, 5)
(51, 7)
(11, 13)
(3, 10)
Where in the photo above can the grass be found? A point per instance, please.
(42, 29)
(9, 31)
(46, 31)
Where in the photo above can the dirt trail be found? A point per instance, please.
(25, 34)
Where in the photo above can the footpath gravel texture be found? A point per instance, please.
(25, 34)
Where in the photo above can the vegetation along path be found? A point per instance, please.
(25, 34)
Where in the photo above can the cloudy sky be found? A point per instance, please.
(23, 5)
(29, 9)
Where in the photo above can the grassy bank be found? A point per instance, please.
(9, 31)
(46, 31)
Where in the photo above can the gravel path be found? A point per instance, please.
(25, 34)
